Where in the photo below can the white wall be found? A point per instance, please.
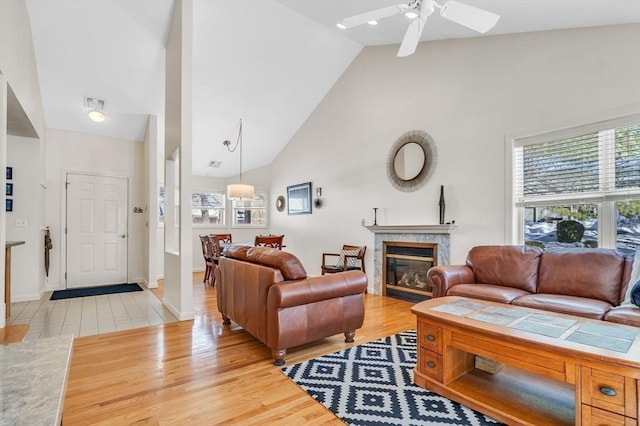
(68, 151)
(469, 95)
(27, 260)
(18, 69)
(17, 59)
(178, 258)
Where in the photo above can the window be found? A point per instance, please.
(161, 205)
(250, 213)
(207, 208)
(579, 187)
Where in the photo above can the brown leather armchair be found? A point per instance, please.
(267, 292)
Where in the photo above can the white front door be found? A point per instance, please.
(96, 230)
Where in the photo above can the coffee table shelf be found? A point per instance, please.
(549, 376)
(516, 394)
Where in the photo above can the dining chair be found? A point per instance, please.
(223, 238)
(207, 254)
(274, 241)
(214, 250)
(349, 258)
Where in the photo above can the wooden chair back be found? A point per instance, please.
(223, 238)
(210, 260)
(214, 247)
(331, 268)
(274, 241)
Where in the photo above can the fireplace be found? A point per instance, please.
(404, 269)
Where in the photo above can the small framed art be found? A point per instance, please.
(9, 173)
(299, 198)
(9, 189)
(9, 205)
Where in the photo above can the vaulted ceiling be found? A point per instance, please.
(268, 62)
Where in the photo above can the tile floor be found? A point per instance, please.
(84, 316)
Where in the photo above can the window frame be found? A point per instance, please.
(232, 211)
(604, 199)
(224, 209)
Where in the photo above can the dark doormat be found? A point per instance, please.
(407, 296)
(94, 291)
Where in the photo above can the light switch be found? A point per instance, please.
(21, 222)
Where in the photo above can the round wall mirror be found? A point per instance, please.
(280, 203)
(411, 160)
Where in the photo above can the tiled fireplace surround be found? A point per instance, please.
(439, 234)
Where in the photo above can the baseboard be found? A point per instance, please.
(182, 316)
(15, 298)
(150, 285)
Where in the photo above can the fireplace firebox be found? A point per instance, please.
(405, 266)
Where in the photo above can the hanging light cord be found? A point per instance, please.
(238, 142)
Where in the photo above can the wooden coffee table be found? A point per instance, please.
(558, 369)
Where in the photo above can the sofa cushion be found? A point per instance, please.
(236, 252)
(573, 305)
(583, 272)
(629, 315)
(509, 266)
(494, 293)
(286, 262)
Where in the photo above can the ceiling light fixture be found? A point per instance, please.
(411, 15)
(96, 109)
(97, 116)
(238, 191)
(341, 26)
(372, 22)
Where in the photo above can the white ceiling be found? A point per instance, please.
(268, 62)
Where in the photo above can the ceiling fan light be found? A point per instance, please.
(96, 115)
(411, 15)
(479, 20)
(240, 191)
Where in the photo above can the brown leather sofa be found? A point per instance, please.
(267, 292)
(585, 282)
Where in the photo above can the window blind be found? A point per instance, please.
(594, 166)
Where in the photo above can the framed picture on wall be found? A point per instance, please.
(299, 198)
(9, 190)
(9, 173)
(9, 205)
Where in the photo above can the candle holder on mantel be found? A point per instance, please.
(375, 216)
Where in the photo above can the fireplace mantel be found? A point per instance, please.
(412, 229)
(439, 234)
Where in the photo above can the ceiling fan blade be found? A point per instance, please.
(374, 15)
(479, 20)
(412, 37)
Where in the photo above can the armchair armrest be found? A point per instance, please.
(325, 255)
(444, 277)
(315, 289)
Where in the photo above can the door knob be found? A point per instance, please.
(122, 236)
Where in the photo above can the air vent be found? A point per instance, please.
(215, 164)
(94, 103)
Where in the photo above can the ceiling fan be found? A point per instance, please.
(419, 10)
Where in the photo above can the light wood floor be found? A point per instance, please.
(202, 373)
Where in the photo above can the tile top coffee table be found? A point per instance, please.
(558, 369)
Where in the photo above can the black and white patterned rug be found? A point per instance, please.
(371, 384)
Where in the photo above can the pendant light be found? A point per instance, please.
(238, 191)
